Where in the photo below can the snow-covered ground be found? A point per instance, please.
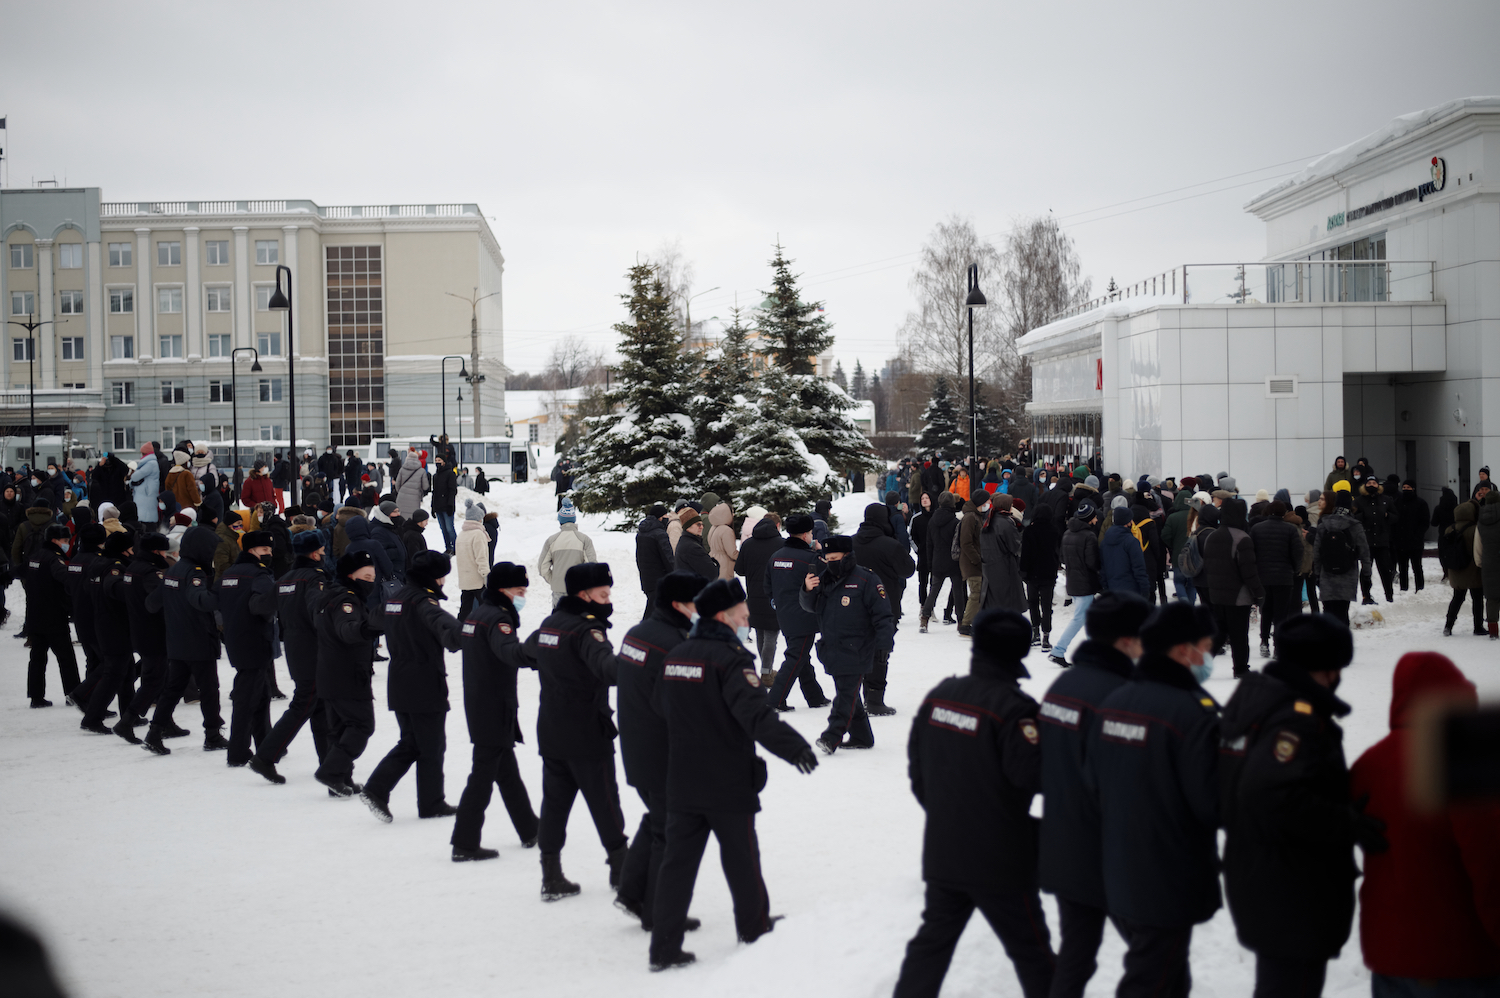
(179, 876)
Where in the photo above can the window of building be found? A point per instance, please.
(218, 298)
(72, 348)
(220, 391)
(172, 393)
(270, 389)
(272, 432)
(218, 252)
(22, 303)
(121, 347)
(219, 433)
(219, 345)
(21, 257)
(119, 254)
(21, 349)
(122, 392)
(74, 384)
(356, 344)
(171, 435)
(123, 437)
(70, 302)
(171, 347)
(169, 254)
(69, 256)
(269, 344)
(534, 432)
(267, 251)
(168, 300)
(263, 297)
(121, 300)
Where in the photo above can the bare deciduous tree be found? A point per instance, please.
(573, 362)
(937, 332)
(676, 273)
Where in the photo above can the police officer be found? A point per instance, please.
(975, 764)
(45, 581)
(877, 548)
(347, 632)
(81, 601)
(1289, 854)
(643, 732)
(855, 618)
(1071, 849)
(574, 732)
(148, 628)
(103, 585)
(187, 598)
(1154, 757)
(492, 654)
(417, 630)
(247, 604)
(716, 710)
(790, 565)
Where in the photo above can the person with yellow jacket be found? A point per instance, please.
(722, 545)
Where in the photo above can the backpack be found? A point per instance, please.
(953, 551)
(1337, 553)
(1453, 553)
(1190, 562)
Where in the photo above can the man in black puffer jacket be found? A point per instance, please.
(1081, 564)
(1040, 561)
(876, 548)
(1278, 562)
(1234, 584)
(653, 553)
(1410, 536)
(1376, 512)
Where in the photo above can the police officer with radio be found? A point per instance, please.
(789, 567)
(855, 618)
(247, 605)
(148, 628)
(347, 633)
(187, 599)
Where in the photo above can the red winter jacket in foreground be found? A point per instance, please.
(1430, 906)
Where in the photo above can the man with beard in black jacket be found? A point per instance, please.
(347, 632)
(112, 627)
(574, 732)
(975, 764)
(789, 568)
(187, 599)
(1153, 755)
(492, 654)
(876, 548)
(1071, 847)
(417, 630)
(148, 629)
(643, 735)
(716, 711)
(247, 605)
(653, 553)
(1409, 538)
(854, 616)
(1289, 851)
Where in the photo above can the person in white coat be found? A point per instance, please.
(471, 556)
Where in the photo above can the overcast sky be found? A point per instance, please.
(590, 132)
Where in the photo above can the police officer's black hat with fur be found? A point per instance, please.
(718, 596)
(679, 587)
(587, 575)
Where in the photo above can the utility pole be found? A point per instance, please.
(475, 378)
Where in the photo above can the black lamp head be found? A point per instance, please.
(278, 300)
(255, 366)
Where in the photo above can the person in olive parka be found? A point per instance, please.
(347, 632)
(187, 600)
(492, 654)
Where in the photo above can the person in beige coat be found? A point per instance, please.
(471, 556)
(563, 550)
(722, 545)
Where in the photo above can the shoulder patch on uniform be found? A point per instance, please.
(197, 580)
(1061, 714)
(347, 608)
(1286, 746)
(751, 676)
(953, 720)
(114, 571)
(880, 589)
(1302, 707)
(507, 629)
(433, 602)
(598, 635)
(1028, 730)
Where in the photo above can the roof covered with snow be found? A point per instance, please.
(1059, 329)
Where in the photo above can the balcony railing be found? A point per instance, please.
(51, 398)
(131, 209)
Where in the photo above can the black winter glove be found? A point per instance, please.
(1369, 831)
(805, 761)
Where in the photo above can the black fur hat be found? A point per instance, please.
(679, 587)
(1314, 641)
(92, 536)
(798, 523)
(56, 532)
(1177, 623)
(305, 542)
(154, 542)
(721, 594)
(429, 566)
(1003, 636)
(1116, 614)
(587, 575)
(353, 561)
(506, 575)
(118, 543)
(257, 539)
(837, 543)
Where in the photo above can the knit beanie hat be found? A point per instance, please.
(179, 458)
(475, 510)
(388, 507)
(567, 514)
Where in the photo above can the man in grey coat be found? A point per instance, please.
(410, 483)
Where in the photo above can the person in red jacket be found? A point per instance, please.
(258, 488)
(1429, 919)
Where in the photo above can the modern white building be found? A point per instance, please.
(1371, 329)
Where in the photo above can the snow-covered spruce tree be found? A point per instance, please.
(774, 468)
(730, 374)
(941, 431)
(644, 449)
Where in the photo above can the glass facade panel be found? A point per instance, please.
(356, 344)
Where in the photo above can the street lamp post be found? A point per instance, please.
(463, 372)
(476, 378)
(975, 300)
(31, 326)
(687, 308)
(234, 400)
(283, 302)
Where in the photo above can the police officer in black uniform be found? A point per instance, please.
(45, 578)
(247, 605)
(975, 764)
(643, 732)
(347, 632)
(1071, 850)
(112, 629)
(1289, 854)
(574, 732)
(187, 598)
(298, 593)
(1154, 756)
(855, 618)
(789, 568)
(417, 630)
(81, 600)
(716, 710)
(492, 654)
(148, 628)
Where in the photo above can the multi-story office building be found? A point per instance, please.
(157, 311)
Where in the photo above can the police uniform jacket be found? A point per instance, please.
(417, 629)
(1071, 865)
(47, 602)
(1154, 757)
(492, 654)
(80, 596)
(789, 568)
(643, 728)
(577, 667)
(974, 759)
(187, 599)
(148, 628)
(346, 643)
(716, 711)
(1289, 852)
(247, 604)
(298, 593)
(854, 615)
(111, 612)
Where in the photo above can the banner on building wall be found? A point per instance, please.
(1099, 374)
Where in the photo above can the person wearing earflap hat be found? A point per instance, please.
(188, 600)
(716, 711)
(148, 628)
(975, 765)
(347, 632)
(87, 543)
(1154, 757)
(116, 678)
(45, 579)
(574, 730)
(247, 606)
(783, 582)
(492, 654)
(1284, 798)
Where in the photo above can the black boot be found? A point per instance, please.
(1046, 641)
(679, 959)
(875, 704)
(379, 806)
(214, 741)
(152, 742)
(1036, 635)
(616, 861)
(474, 855)
(555, 886)
(97, 727)
(262, 767)
(174, 730)
(126, 730)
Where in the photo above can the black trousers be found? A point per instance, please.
(1082, 931)
(1017, 918)
(350, 725)
(796, 666)
(650, 605)
(1039, 595)
(924, 578)
(1234, 630)
(1385, 564)
(494, 766)
(1412, 559)
(423, 741)
(562, 781)
(249, 713)
(1156, 962)
(643, 862)
(1277, 978)
(206, 675)
(1476, 597)
(956, 593)
(847, 715)
(876, 677)
(304, 707)
(739, 855)
(60, 644)
(116, 679)
(466, 602)
(1279, 604)
(153, 678)
(1338, 609)
(1311, 585)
